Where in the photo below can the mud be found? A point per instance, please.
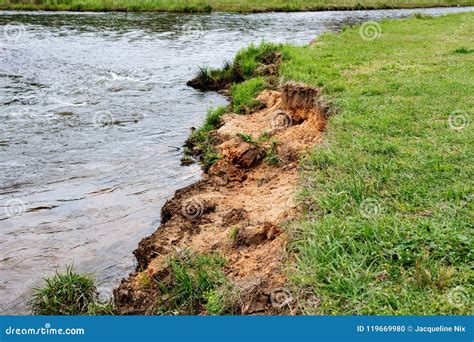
(239, 208)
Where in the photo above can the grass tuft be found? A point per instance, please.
(201, 143)
(243, 94)
(196, 283)
(69, 293)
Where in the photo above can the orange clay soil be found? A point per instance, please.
(243, 191)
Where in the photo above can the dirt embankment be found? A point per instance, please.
(240, 205)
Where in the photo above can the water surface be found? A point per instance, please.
(94, 110)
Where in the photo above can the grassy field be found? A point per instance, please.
(388, 224)
(220, 5)
(389, 197)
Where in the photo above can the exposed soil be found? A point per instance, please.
(243, 193)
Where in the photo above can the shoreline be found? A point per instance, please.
(354, 238)
(238, 210)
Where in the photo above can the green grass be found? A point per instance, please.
(189, 6)
(69, 293)
(388, 222)
(389, 196)
(196, 283)
(201, 143)
(248, 63)
(243, 94)
(271, 155)
(247, 60)
(246, 85)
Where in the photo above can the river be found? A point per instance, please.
(94, 110)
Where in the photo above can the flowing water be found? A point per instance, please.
(94, 110)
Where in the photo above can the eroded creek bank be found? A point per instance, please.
(238, 208)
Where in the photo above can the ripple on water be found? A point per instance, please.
(93, 108)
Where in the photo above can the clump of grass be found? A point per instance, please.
(463, 50)
(195, 282)
(271, 156)
(69, 293)
(264, 136)
(211, 123)
(249, 59)
(242, 68)
(200, 143)
(209, 156)
(215, 79)
(247, 138)
(243, 94)
(234, 232)
(223, 300)
(145, 281)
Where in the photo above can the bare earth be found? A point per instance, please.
(241, 192)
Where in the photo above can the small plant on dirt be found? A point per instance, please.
(247, 138)
(193, 277)
(209, 156)
(222, 300)
(145, 280)
(264, 137)
(234, 232)
(200, 143)
(68, 293)
(271, 156)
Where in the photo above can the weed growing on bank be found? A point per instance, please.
(69, 293)
(255, 60)
(196, 283)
